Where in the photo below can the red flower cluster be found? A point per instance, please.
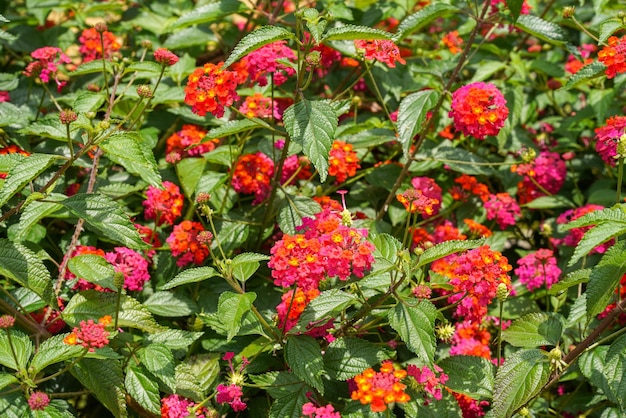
(252, 174)
(231, 394)
(188, 143)
(210, 89)
(468, 185)
(257, 106)
(453, 41)
(614, 56)
(132, 265)
(163, 205)
(379, 389)
(91, 46)
(343, 161)
(38, 401)
(546, 173)
(295, 168)
(165, 57)
(478, 109)
(607, 137)
(90, 334)
(292, 306)
(381, 50)
(476, 229)
(184, 243)
(573, 64)
(46, 64)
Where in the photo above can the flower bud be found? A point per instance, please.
(118, 280)
(6, 321)
(445, 332)
(144, 91)
(502, 292)
(67, 116)
(203, 197)
(314, 59)
(568, 12)
(101, 27)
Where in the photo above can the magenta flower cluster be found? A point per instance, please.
(538, 269)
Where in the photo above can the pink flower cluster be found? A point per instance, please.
(90, 334)
(230, 394)
(470, 339)
(309, 410)
(503, 208)
(478, 109)
(537, 269)
(380, 49)
(130, 263)
(607, 137)
(266, 60)
(46, 64)
(163, 205)
(175, 406)
(38, 401)
(575, 234)
(546, 173)
(430, 382)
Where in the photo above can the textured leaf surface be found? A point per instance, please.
(518, 380)
(470, 375)
(324, 307)
(615, 373)
(36, 211)
(534, 330)
(107, 217)
(256, 39)
(175, 339)
(6, 380)
(446, 248)
(103, 378)
(595, 236)
(21, 264)
(312, 125)
(304, 356)
(585, 74)
(244, 265)
(348, 32)
(21, 174)
(416, 326)
(346, 357)
(159, 360)
(232, 127)
(412, 113)
(192, 275)
(188, 382)
(54, 350)
(462, 161)
(423, 17)
(542, 29)
(293, 209)
(277, 384)
(290, 406)
(608, 28)
(91, 67)
(142, 389)
(94, 269)
(21, 344)
(129, 150)
(605, 277)
(169, 304)
(231, 308)
(208, 13)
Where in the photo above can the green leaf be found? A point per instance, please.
(446, 248)
(93, 268)
(231, 308)
(159, 360)
(416, 326)
(312, 124)
(175, 339)
(293, 209)
(143, 390)
(208, 13)
(244, 265)
(19, 263)
(590, 71)
(107, 217)
(48, 127)
(470, 375)
(91, 67)
(21, 344)
(7, 379)
(515, 7)
(261, 36)
(36, 211)
(326, 306)
(608, 28)
(88, 102)
(550, 202)
(604, 278)
(542, 29)
(346, 357)
(290, 406)
(387, 248)
(615, 373)
(232, 234)
(22, 174)
(169, 304)
(592, 363)
(314, 23)
(54, 350)
(277, 384)
(571, 279)
(423, 17)
(129, 149)
(189, 171)
(412, 114)
(518, 380)
(462, 161)
(304, 356)
(534, 330)
(103, 378)
(236, 126)
(348, 32)
(616, 214)
(149, 68)
(13, 115)
(188, 382)
(447, 407)
(595, 236)
(192, 275)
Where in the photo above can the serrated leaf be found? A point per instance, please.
(244, 265)
(36, 211)
(415, 324)
(346, 357)
(231, 308)
(103, 378)
(462, 161)
(412, 114)
(88, 102)
(326, 306)
(293, 209)
(259, 37)
(232, 234)
(534, 330)
(446, 248)
(192, 275)
(48, 127)
(23, 349)
(447, 407)
(605, 277)
(571, 279)
(54, 350)
(189, 172)
(470, 375)
(519, 379)
(169, 304)
(91, 67)
(22, 174)
(423, 17)
(608, 28)
(312, 125)
(7, 379)
(387, 248)
(159, 360)
(615, 373)
(277, 384)
(129, 150)
(233, 127)
(21, 264)
(542, 29)
(150, 67)
(348, 32)
(143, 390)
(577, 312)
(188, 382)
(304, 356)
(208, 13)
(175, 339)
(94, 269)
(591, 364)
(515, 7)
(584, 75)
(107, 217)
(290, 406)
(616, 214)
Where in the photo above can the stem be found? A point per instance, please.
(500, 334)
(13, 353)
(66, 368)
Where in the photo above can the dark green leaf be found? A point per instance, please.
(608, 28)
(515, 7)
(470, 375)
(231, 308)
(175, 339)
(22, 174)
(416, 326)
(571, 279)
(107, 217)
(236, 126)
(312, 125)
(142, 389)
(290, 406)
(304, 356)
(129, 149)
(534, 330)
(94, 269)
(7, 379)
(170, 304)
(605, 277)
(542, 29)
(595, 236)
(462, 161)
(293, 209)
(550, 202)
(21, 264)
(159, 360)
(244, 265)
(23, 349)
(584, 75)
(189, 171)
(192, 275)
(103, 378)
(412, 114)
(150, 68)
(188, 382)
(88, 102)
(446, 248)
(54, 350)
(348, 32)
(256, 39)
(423, 17)
(615, 373)
(346, 357)
(277, 384)
(326, 306)
(208, 13)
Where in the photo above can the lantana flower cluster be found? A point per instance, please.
(211, 89)
(544, 175)
(187, 142)
(608, 136)
(46, 65)
(163, 205)
(187, 244)
(177, 406)
(538, 269)
(343, 162)
(90, 334)
(478, 109)
(379, 389)
(614, 56)
(381, 50)
(270, 60)
(252, 174)
(93, 47)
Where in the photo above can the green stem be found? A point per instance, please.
(500, 334)
(13, 353)
(66, 368)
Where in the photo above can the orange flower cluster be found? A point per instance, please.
(91, 45)
(184, 243)
(188, 143)
(252, 174)
(614, 56)
(292, 306)
(257, 106)
(415, 201)
(476, 229)
(343, 161)
(478, 109)
(381, 50)
(211, 88)
(453, 41)
(379, 389)
(469, 185)
(90, 334)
